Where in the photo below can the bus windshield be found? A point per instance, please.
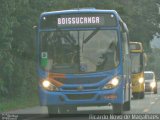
(148, 76)
(136, 62)
(64, 51)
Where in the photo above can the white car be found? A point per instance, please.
(150, 82)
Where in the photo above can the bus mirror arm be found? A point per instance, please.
(35, 28)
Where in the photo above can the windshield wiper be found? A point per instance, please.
(90, 36)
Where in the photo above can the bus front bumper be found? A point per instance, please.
(138, 88)
(81, 98)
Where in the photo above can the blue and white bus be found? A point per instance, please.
(83, 59)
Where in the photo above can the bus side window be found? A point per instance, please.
(125, 46)
(125, 43)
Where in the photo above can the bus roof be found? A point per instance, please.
(136, 47)
(82, 10)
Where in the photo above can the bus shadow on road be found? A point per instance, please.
(147, 94)
(137, 98)
(82, 114)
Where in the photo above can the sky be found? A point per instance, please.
(155, 42)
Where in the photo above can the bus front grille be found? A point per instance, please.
(77, 88)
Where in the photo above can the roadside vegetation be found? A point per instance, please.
(18, 103)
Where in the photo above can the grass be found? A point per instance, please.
(18, 103)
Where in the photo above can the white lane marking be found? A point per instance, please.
(145, 110)
(152, 103)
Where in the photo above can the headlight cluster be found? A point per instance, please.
(152, 85)
(47, 85)
(141, 80)
(112, 83)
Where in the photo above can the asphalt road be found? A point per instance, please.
(149, 105)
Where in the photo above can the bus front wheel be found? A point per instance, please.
(138, 95)
(127, 106)
(155, 90)
(52, 110)
(118, 108)
(142, 95)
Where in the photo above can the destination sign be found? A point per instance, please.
(78, 21)
(135, 47)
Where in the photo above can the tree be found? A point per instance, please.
(6, 59)
(141, 18)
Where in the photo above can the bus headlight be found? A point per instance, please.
(141, 80)
(152, 85)
(112, 83)
(46, 84)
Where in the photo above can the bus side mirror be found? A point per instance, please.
(145, 59)
(35, 28)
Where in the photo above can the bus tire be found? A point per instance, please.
(127, 106)
(155, 91)
(72, 109)
(52, 110)
(117, 108)
(135, 96)
(141, 95)
(138, 95)
(63, 109)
